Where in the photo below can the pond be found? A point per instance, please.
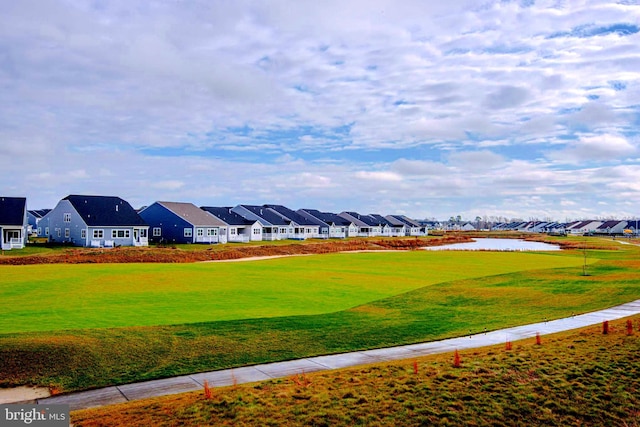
(489, 244)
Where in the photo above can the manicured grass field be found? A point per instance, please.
(62, 296)
(425, 300)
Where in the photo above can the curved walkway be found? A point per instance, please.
(186, 383)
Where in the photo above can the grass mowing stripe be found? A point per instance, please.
(54, 297)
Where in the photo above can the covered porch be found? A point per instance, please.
(12, 238)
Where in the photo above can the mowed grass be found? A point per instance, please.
(576, 378)
(78, 359)
(61, 296)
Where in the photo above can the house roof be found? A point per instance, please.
(292, 215)
(404, 220)
(227, 215)
(39, 213)
(192, 214)
(609, 224)
(12, 210)
(328, 217)
(381, 220)
(105, 211)
(354, 217)
(267, 215)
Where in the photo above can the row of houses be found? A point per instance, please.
(102, 221)
(105, 221)
(587, 227)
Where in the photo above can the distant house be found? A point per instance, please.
(364, 229)
(274, 226)
(584, 227)
(303, 227)
(13, 223)
(611, 227)
(239, 229)
(332, 226)
(388, 229)
(94, 221)
(178, 222)
(413, 228)
(34, 217)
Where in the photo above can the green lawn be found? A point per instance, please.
(266, 311)
(61, 296)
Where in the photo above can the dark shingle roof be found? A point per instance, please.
(12, 210)
(103, 211)
(266, 214)
(227, 215)
(292, 215)
(328, 217)
(39, 213)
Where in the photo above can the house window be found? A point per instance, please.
(120, 234)
(39, 231)
(283, 231)
(157, 231)
(257, 231)
(232, 231)
(67, 233)
(212, 232)
(188, 232)
(143, 232)
(98, 234)
(46, 231)
(67, 217)
(58, 232)
(200, 232)
(83, 234)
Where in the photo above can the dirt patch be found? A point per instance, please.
(227, 252)
(22, 394)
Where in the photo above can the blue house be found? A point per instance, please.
(94, 221)
(178, 222)
(34, 217)
(13, 223)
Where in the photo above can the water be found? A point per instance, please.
(489, 244)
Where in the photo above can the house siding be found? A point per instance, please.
(54, 220)
(172, 226)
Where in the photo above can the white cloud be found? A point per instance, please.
(595, 148)
(233, 101)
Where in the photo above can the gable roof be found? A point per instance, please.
(292, 215)
(12, 210)
(354, 217)
(227, 215)
(105, 211)
(404, 220)
(192, 214)
(609, 224)
(381, 220)
(327, 217)
(39, 213)
(267, 215)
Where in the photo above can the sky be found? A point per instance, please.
(516, 109)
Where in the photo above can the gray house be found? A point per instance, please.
(94, 221)
(13, 223)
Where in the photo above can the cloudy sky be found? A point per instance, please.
(523, 108)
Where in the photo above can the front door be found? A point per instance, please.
(136, 235)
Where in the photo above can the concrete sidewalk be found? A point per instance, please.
(181, 384)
